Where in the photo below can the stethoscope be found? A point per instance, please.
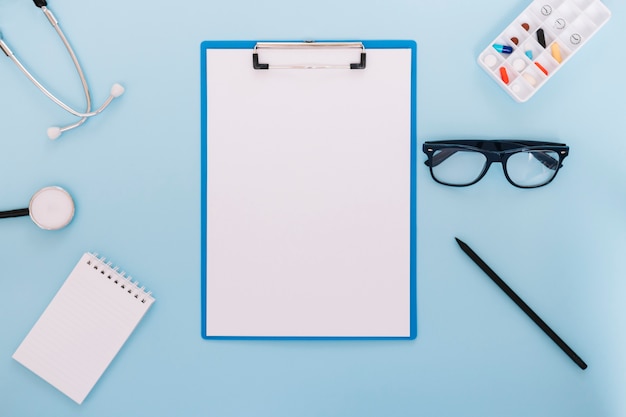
(50, 208)
(54, 132)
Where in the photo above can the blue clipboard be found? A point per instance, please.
(308, 190)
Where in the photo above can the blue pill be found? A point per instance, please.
(503, 49)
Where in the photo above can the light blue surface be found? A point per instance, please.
(134, 172)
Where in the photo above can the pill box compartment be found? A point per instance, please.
(562, 26)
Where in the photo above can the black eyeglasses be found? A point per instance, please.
(526, 163)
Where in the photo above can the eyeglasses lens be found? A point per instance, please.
(456, 166)
(532, 168)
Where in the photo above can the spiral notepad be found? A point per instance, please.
(84, 327)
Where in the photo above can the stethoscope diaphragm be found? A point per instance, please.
(50, 208)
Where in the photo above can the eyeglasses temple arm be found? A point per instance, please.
(443, 154)
(548, 161)
(440, 157)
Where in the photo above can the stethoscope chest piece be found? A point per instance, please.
(51, 208)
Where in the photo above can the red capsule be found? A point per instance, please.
(504, 75)
(542, 68)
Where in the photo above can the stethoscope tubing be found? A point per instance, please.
(14, 213)
(55, 24)
(115, 91)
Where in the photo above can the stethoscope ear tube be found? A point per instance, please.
(55, 131)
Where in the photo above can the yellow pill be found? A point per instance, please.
(556, 52)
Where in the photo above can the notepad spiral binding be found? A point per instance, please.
(110, 272)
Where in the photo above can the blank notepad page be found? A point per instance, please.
(84, 327)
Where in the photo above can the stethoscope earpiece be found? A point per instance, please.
(50, 208)
(116, 91)
(54, 132)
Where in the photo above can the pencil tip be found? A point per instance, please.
(458, 240)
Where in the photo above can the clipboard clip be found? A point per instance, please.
(307, 45)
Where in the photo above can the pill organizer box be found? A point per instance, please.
(539, 42)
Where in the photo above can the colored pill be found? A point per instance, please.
(526, 26)
(504, 75)
(541, 37)
(542, 68)
(556, 52)
(531, 80)
(503, 49)
(529, 54)
(515, 40)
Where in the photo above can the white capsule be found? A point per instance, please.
(530, 79)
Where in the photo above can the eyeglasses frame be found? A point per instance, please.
(497, 150)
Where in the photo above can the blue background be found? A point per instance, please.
(134, 174)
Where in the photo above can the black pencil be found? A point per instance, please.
(521, 304)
